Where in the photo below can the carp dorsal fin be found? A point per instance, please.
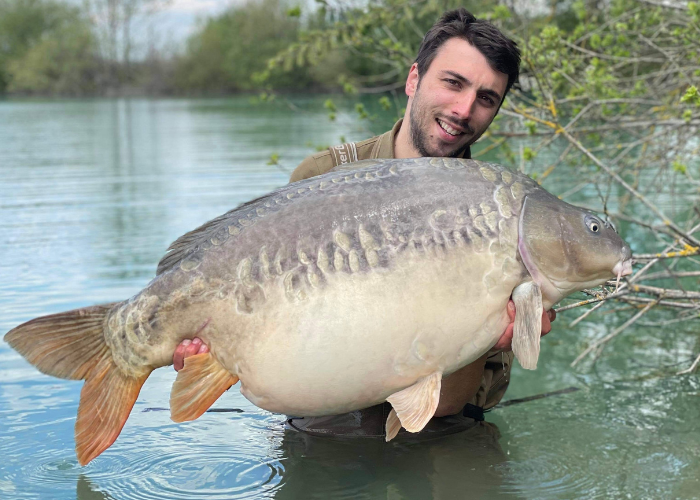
(193, 241)
(198, 385)
(528, 324)
(190, 246)
(414, 406)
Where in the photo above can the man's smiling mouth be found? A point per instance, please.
(448, 129)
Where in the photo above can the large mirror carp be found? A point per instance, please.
(335, 293)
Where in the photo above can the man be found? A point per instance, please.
(463, 71)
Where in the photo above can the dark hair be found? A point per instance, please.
(501, 52)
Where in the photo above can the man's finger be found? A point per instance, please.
(193, 348)
(511, 310)
(546, 324)
(504, 343)
(179, 355)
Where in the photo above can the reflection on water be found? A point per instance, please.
(91, 194)
(368, 468)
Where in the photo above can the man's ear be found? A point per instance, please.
(412, 80)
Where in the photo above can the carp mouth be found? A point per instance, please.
(622, 268)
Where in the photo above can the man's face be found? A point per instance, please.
(454, 102)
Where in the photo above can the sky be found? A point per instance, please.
(174, 23)
(180, 18)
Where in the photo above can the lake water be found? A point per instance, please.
(92, 193)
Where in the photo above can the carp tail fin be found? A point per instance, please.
(72, 345)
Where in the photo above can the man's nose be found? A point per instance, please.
(464, 105)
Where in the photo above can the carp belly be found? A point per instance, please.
(366, 336)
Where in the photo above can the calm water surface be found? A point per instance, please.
(91, 194)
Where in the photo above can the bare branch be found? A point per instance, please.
(608, 338)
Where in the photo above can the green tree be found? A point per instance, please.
(61, 62)
(23, 23)
(229, 51)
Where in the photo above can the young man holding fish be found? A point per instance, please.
(464, 69)
(383, 280)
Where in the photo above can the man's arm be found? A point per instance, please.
(309, 167)
(460, 387)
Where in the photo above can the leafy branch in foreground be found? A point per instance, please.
(613, 104)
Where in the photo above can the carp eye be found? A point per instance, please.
(593, 224)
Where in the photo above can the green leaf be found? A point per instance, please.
(274, 159)
(529, 154)
(679, 167)
(691, 96)
(385, 103)
(330, 105)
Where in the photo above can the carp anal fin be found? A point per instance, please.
(198, 385)
(414, 406)
(528, 324)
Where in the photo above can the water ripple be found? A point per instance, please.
(545, 476)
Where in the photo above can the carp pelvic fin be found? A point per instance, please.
(72, 345)
(527, 330)
(198, 385)
(414, 406)
(393, 425)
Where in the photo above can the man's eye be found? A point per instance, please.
(452, 82)
(488, 99)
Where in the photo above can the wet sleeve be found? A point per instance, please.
(495, 380)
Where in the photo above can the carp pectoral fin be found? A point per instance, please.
(198, 385)
(414, 406)
(528, 324)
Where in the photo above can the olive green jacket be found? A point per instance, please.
(497, 371)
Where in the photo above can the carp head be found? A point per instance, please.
(567, 249)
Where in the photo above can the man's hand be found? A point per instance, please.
(504, 343)
(186, 349)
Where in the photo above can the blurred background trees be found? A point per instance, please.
(46, 47)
